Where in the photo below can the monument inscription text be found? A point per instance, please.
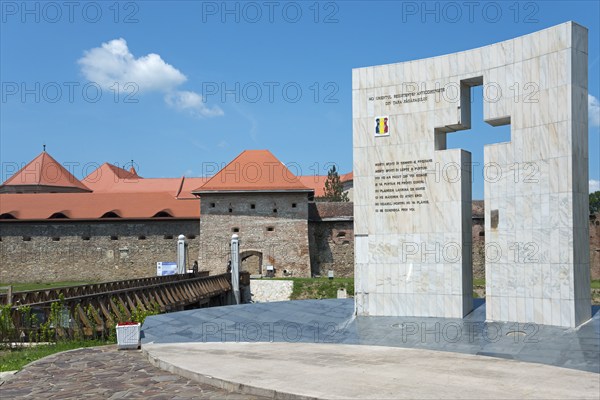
(400, 186)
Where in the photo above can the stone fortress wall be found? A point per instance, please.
(90, 251)
(113, 250)
(273, 231)
(331, 238)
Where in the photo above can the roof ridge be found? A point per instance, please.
(180, 186)
(38, 175)
(218, 172)
(254, 170)
(120, 173)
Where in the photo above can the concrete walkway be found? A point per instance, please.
(337, 371)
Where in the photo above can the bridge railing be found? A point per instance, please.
(37, 296)
(85, 314)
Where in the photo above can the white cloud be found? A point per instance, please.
(113, 62)
(222, 144)
(193, 103)
(593, 111)
(594, 185)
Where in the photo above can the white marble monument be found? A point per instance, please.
(412, 202)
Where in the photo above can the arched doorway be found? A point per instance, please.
(251, 262)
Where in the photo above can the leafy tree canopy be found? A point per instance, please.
(594, 202)
(334, 189)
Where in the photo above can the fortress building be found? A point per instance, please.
(114, 224)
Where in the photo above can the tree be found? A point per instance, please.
(334, 189)
(594, 202)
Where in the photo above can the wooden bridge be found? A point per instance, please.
(92, 310)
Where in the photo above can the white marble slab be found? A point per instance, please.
(413, 231)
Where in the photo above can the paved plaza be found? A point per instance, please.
(318, 349)
(335, 371)
(332, 322)
(104, 373)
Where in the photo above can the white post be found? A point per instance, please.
(181, 267)
(235, 267)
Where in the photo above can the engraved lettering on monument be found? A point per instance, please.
(400, 186)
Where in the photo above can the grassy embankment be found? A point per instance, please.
(16, 356)
(319, 288)
(323, 288)
(14, 359)
(20, 287)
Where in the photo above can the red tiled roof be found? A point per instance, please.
(107, 177)
(40, 206)
(43, 173)
(347, 177)
(115, 190)
(253, 170)
(177, 187)
(130, 196)
(188, 185)
(315, 182)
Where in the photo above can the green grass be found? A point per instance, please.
(319, 288)
(478, 282)
(19, 287)
(17, 358)
(596, 284)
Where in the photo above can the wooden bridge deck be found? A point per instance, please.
(92, 310)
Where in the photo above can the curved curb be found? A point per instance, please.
(6, 376)
(222, 383)
(315, 371)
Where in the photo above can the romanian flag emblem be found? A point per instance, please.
(381, 126)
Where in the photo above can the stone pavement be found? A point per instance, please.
(337, 371)
(104, 373)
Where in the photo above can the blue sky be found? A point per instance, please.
(273, 75)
